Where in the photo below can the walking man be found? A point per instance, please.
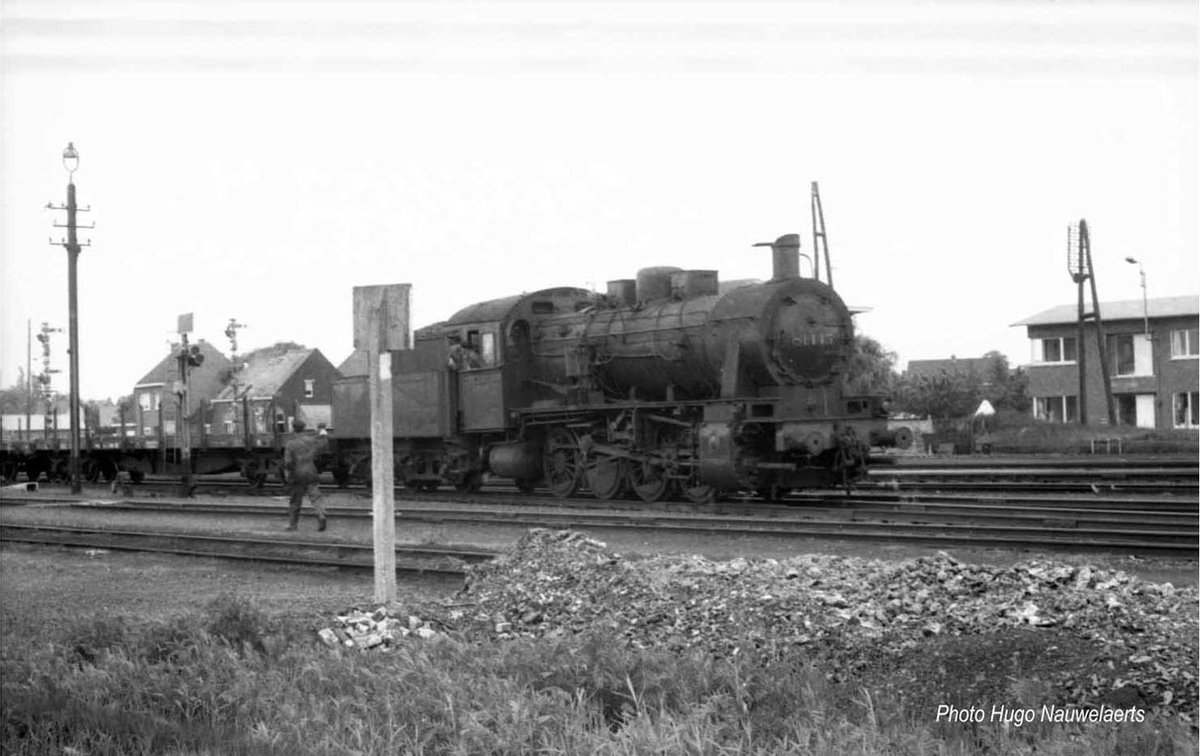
(300, 467)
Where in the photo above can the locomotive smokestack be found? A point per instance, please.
(785, 256)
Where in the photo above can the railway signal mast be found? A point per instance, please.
(45, 379)
(189, 356)
(820, 241)
(1079, 264)
(231, 334)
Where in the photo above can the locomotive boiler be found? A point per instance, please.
(668, 383)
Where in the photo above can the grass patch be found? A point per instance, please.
(1018, 433)
(231, 680)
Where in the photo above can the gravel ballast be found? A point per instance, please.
(1089, 636)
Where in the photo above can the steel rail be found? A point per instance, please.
(1166, 535)
(945, 511)
(311, 553)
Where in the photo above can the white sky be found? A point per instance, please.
(258, 160)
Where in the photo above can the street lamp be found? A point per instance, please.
(1145, 309)
(70, 158)
(71, 161)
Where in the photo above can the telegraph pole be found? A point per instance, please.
(28, 377)
(70, 159)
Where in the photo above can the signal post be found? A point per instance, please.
(381, 327)
(188, 357)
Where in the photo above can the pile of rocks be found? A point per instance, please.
(556, 583)
(848, 611)
(374, 630)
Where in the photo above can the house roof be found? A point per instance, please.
(954, 365)
(266, 373)
(354, 364)
(167, 370)
(1126, 309)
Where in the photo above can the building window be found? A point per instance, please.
(1131, 354)
(1126, 409)
(150, 401)
(1184, 343)
(309, 383)
(1186, 405)
(487, 352)
(1056, 409)
(1055, 350)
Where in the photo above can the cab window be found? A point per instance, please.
(487, 350)
(482, 345)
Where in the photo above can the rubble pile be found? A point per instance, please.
(374, 630)
(847, 612)
(556, 583)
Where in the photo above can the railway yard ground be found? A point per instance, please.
(586, 638)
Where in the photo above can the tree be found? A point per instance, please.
(275, 350)
(871, 368)
(1007, 389)
(17, 398)
(941, 396)
(951, 394)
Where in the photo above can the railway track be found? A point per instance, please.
(409, 559)
(1164, 484)
(944, 522)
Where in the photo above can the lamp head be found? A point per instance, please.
(1131, 260)
(71, 158)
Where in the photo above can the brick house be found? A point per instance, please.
(155, 405)
(272, 387)
(1153, 357)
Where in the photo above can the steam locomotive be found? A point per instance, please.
(670, 383)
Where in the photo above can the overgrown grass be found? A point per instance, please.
(232, 681)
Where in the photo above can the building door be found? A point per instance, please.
(1145, 411)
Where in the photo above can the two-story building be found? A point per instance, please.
(1153, 356)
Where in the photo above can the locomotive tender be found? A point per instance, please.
(668, 383)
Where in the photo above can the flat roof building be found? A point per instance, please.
(1153, 356)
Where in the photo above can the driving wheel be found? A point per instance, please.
(606, 477)
(562, 462)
